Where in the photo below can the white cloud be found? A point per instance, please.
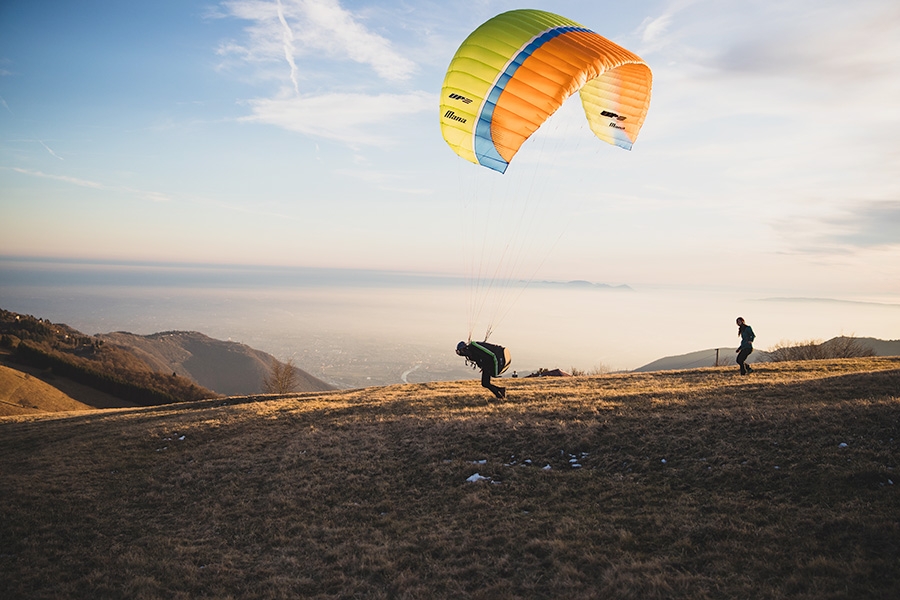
(833, 45)
(654, 28)
(355, 119)
(815, 77)
(785, 111)
(662, 31)
(318, 39)
(318, 29)
(802, 38)
(336, 31)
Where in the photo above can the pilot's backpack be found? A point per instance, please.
(499, 358)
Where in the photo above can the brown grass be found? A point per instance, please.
(22, 394)
(363, 494)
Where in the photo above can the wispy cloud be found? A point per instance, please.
(808, 84)
(821, 40)
(831, 45)
(297, 29)
(843, 230)
(653, 28)
(869, 224)
(158, 197)
(336, 31)
(354, 119)
(313, 36)
(660, 31)
(85, 183)
(64, 178)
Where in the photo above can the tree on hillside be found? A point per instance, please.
(282, 378)
(839, 347)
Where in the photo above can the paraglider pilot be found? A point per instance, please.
(747, 337)
(493, 360)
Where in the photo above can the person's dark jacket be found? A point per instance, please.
(747, 336)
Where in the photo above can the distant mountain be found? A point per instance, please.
(694, 360)
(707, 358)
(229, 368)
(827, 301)
(124, 369)
(880, 347)
(60, 355)
(582, 284)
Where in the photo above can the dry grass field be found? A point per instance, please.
(676, 484)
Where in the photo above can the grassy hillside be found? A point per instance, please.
(677, 484)
(27, 342)
(35, 398)
(20, 393)
(124, 369)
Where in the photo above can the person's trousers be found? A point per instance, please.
(486, 381)
(742, 356)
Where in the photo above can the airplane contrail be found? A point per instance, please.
(288, 41)
(50, 150)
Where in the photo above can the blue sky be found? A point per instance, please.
(306, 133)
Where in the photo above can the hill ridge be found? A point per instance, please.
(725, 355)
(227, 367)
(124, 369)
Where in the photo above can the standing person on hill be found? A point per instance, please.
(490, 358)
(747, 337)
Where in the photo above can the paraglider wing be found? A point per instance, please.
(517, 69)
